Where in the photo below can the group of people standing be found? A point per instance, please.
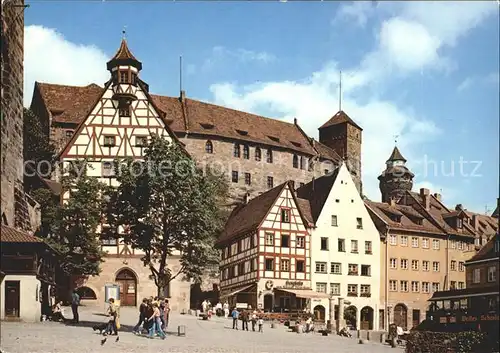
(245, 316)
(153, 316)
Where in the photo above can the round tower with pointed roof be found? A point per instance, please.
(124, 68)
(396, 179)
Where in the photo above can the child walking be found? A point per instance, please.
(261, 325)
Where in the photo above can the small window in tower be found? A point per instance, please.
(124, 111)
(124, 76)
(133, 76)
(114, 76)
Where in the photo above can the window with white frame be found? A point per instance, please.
(368, 247)
(414, 242)
(393, 262)
(435, 266)
(285, 264)
(354, 246)
(414, 286)
(270, 239)
(403, 285)
(393, 285)
(435, 286)
(461, 266)
(335, 288)
(353, 270)
(404, 240)
(435, 244)
(393, 239)
(476, 275)
(425, 265)
(453, 265)
(301, 242)
(334, 221)
(364, 289)
(320, 267)
(492, 273)
(336, 268)
(352, 289)
(321, 287)
(404, 264)
(414, 265)
(425, 287)
(461, 285)
(425, 243)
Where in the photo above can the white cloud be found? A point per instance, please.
(49, 57)
(465, 84)
(220, 53)
(490, 79)
(447, 194)
(407, 41)
(359, 11)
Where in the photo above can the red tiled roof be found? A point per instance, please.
(248, 217)
(12, 235)
(71, 104)
(305, 208)
(317, 191)
(489, 251)
(340, 118)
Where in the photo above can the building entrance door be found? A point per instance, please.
(12, 298)
(128, 284)
(416, 317)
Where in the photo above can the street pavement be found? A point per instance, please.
(214, 336)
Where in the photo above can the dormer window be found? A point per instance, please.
(69, 133)
(396, 218)
(109, 141)
(459, 222)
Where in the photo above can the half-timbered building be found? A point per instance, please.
(118, 125)
(266, 253)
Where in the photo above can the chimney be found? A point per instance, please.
(295, 121)
(182, 98)
(475, 222)
(392, 201)
(459, 207)
(438, 196)
(425, 195)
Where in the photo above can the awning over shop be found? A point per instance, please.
(305, 293)
(244, 289)
(465, 293)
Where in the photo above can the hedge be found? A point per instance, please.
(447, 342)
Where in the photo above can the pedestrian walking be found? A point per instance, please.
(156, 327)
(261, 325)
(75, 303)
(142, 316)
(235, 315)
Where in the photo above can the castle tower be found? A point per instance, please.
(343, 135)
(396, 178)
(124, 68)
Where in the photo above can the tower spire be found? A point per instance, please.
(340, 90)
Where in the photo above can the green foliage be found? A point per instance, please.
(445, 342)
(36, 145)
(171, 208)
(71, 228)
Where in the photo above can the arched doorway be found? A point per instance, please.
(86, 293)
(366, 318)
(350, 317)
(401, 316)
(319, 313)
(268, 302)
(127, 281)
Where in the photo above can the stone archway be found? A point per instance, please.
(366, 318)
(127, 281)
(319, 313)
(350, 314)
(86, 293)
(401, 316)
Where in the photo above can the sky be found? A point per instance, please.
(426, 72)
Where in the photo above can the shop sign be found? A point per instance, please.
(293, 284)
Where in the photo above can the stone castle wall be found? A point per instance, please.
(12, 106)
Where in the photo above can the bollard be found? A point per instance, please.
(359, 334)
(367, 335)
(181, 330)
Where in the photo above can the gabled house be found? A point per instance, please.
(345, 249)
(266, 253)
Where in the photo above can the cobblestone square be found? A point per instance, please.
(215, 336)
